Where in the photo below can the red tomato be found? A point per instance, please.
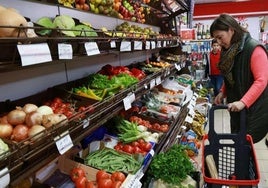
(105, 183)
(116, 184)
(81, 182)
(118, 176)
(90, 184)
(141, 140)
(146, 147)
(102, 174)
(135, 143)
(127, 148)
(81, 109)
(57, 100)
(77, 173)
(137, 149)
(117, 147)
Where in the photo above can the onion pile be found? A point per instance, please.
(29, 121)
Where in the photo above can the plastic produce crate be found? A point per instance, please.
(234, 156)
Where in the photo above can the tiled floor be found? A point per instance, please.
(221, 123)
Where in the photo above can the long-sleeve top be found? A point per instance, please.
(213, 59)
(259, 68)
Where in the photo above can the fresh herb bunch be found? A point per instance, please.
(171, 166)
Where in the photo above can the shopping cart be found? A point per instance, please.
(229, 160)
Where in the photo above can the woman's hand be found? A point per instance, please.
(236, 106)
(219, 98)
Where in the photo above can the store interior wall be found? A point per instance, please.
(28, 81)
(252, 21)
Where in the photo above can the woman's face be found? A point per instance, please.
(224, 37)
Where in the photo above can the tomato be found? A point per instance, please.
(102, 174)
(146, 146)
(81, 182)
(105, 183)
(76, 173)
(116, 184)
(90, 184)
(118, 176)
(141, 141)
(127, 148)
(57, 100)
(137, 149)
(135, 143)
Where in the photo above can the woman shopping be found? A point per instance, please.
(244, 65)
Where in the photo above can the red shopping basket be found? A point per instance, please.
(233, 154)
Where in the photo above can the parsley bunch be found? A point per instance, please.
(171, 166)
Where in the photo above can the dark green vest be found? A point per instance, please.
(257, 114)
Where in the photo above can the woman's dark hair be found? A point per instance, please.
(224, 22)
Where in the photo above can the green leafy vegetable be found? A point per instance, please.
(84, 31)
(65, 22)
(171, 166)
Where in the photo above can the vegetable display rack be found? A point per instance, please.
(229, 160)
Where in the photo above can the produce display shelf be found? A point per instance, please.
(28, 151)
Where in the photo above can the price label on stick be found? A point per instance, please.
(86, 123)
(128, 100)
(32, 54)
(137, 45)
(153, 44)
(65, 51)
(92, 48)
(4, 177)
(113, 44)
(125, 46)
(63, 142)
(147, 45)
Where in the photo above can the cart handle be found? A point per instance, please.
(241, 135)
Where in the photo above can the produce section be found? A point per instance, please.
(95, 100)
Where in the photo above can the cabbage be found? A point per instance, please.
(84, 31)
(3, 148)
(65, 22)
(47, 23)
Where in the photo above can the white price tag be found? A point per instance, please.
(159, 44)
(137, 45)
(164, 43)
(32, 54)
(189, 119)
(128, 100)
(92, 48)
(147, 45)
(152, 44)
(63, 142)
(152, 83)
(158, 80)
(151, 152)
(145, 86)
(125, 46)
(195, 95)
(191, 112)
(86, 123)
(5, 177)
(113, 44)
(65, 51)
(177, 67)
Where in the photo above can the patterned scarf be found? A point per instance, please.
(227, 61)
